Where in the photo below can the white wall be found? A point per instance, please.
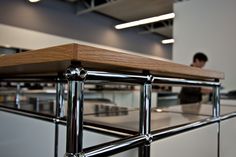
(59, 18)
(207, 26)
(25, 137)
(228, 137)
(30, 39)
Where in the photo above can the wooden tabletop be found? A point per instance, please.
(55, 60)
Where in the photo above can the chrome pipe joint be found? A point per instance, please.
(150, 79)
(76, 73)
(149, 139)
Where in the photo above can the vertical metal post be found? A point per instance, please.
(74, 139)
(37, 105)
(17, 99)
(145, 110)
(216, 112)
(145, 117)
(60, 108)
(216, 102)
(60, 88)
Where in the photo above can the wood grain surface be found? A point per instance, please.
(57, 59)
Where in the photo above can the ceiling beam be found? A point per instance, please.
(92, 7)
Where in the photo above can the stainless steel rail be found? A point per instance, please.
(170, 132)
(76, 77)
(74, 143)
(143, 142)
(37, 79)
(145, 117)
(60, 90)
(216, 112)
(180, 81)
(133, 78)
(115, 77)
(115, 146)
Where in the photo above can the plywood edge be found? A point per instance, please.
(142, 62)
(51, 54)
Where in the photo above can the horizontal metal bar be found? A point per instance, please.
(115, 77)
(179, 81)
(103, 130)
(44, 117)
(49, 118)
(33, 79)
(131, 78)
(228, 116)
(170, 132)
(114, 147)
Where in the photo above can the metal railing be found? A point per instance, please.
(77, 77)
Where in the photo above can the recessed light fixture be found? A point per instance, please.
(146, 21)
(168, 41)
(34, 1)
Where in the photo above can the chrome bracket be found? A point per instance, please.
(149, 139)
(76, 73)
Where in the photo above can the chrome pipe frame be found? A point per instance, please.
(60, 94)
(180, 81)
(17, 99)
(76, 77)
(216, 102)
(29, 114)
(145, 110)
(145, 117)
(115, 77)
(170, 132)
(231, 115)
(144, 150)
(216, 112)
(114, 147)
(60, 90)
(33, 79)
(133, 78)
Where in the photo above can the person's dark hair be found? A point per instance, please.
(200, 56)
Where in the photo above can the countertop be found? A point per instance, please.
(54, 60)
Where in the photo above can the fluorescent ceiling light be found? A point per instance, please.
(34, 1)
(168, 41)
(146, 21)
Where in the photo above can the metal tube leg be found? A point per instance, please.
(145, 110)
(216, 112)
(144, 151)
(145, 119)
(75, 111)
(216, 102)
(17, 99)
(75, 115)
(60, 110)
(60, 88)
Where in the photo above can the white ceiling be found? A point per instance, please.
(130, 10)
